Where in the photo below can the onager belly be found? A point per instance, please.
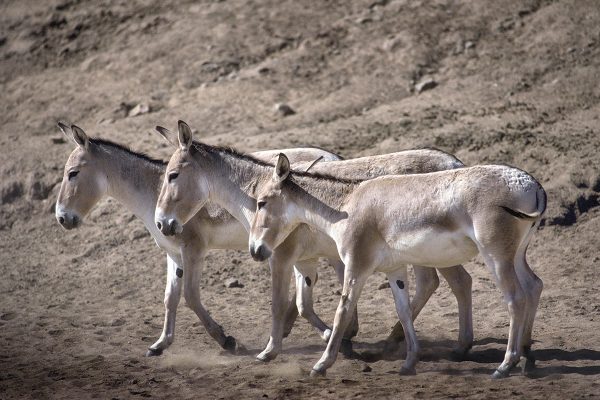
(430, 247)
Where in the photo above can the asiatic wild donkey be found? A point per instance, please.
(198, 173)
(437, 219)
(98, 168)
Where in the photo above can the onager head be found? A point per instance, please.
(82, 185)
(183, 192)
(271, 223)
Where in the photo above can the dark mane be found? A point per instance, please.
(198, 146)
(141, 156)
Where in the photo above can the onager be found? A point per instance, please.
(437, 219)
(198, 173)
(97, 168)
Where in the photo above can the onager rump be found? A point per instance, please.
(437, 219)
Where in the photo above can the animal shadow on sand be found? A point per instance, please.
(494, 355)
(441, 350)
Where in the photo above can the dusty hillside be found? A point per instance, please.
(514, 82)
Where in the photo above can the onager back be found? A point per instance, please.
(437, 219)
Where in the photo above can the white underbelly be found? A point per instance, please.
(430, 248)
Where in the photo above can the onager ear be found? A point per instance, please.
(282, 169)
(65, 130)
(80, 137)
(166, 134)
(185, 135)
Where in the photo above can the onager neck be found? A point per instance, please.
(133, 180)
(232, 180)
(318, 200)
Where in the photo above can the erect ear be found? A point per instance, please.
(185, 135)
(65, 130)
(80, 137)
(166, 134)
(282, 168)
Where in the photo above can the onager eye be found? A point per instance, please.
(261, 204)
(173, 176)
(73, 174)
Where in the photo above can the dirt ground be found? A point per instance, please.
(514, 82)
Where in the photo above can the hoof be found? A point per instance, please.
(153, 352)
(266, 357)
(315, 373)
(500, 374)
(230, 344)
(404, 371)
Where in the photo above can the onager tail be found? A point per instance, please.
(540, 205)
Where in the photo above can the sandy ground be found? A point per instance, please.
(517, 83)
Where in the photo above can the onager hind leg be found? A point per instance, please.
(533, 287)
(498, 239)
(172, 297)
(460, 283)
(192, 261)
(306, 276)
(399, 284)
(427, 282)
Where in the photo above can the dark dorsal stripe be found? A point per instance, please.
(127, 150)
(198, 146)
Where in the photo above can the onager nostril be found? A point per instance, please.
(61, 220)
(159, 225)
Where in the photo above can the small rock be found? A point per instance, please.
(122, 110)
(11, 191)
(284, 109)
(364, 20)
(427, 84)
(117, 322)
(366, 368)
(391, 44)
(8, 316)
(137, 234)
(2, 41)
(383, 285)
(139, 110)
(469, 44)
(233, 283)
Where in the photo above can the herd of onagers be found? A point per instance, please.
(293, 206)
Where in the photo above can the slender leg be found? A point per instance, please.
(515, 299)
(290, 316)
(172, 296)
(192, 260)
(353, 285)
(281, 271)
(427, 282)
(460, 283)
(399, 285)
(533, 287)
(352, 330)
(306, 277)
